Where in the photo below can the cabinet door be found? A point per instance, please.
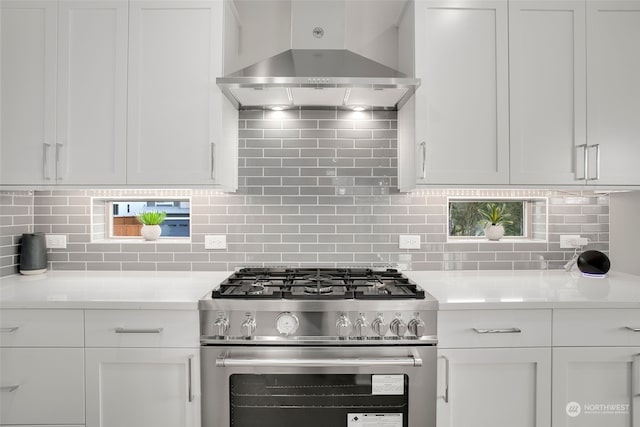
(129, 387)
(613, 91)
(28, 92)
(462, 117)
(41, 386)
(92, 92)
(494, 387)
(547, 68)
(595, 387)
(176, 111)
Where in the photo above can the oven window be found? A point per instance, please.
(319, 400)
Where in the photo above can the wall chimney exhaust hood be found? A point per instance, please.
(319, 70)
(318, 78)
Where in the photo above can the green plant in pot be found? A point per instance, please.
(151, 221)
(496, 218)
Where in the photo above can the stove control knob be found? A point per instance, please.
(379, 326)
(361, 327)
(416, 327)
(344, 326)
(398, 327)
(248, 327)
(221, 327)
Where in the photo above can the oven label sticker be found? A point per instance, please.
(387, 384)
(374, 420)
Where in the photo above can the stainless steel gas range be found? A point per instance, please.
(285, 347)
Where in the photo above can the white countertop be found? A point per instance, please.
(457, 290)
(454, 290)
(109, 290)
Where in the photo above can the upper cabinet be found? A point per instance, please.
(64, 83)
(565, 112)
(181, 129)
(115, 92)
(613, 92)
(28, 92)
(461, 111)
(547, 91)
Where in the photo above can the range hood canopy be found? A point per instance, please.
(318, 78)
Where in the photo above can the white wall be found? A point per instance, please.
(624, 232)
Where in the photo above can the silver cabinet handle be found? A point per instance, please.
(190, 378)
(446, 379)
(498, 331)
(9, 388)
(224, 361)
(597, 177)
(45, 153)
(9, 330)
(585, 162)
(629, 328)
(423, 172)
(213, 161)
(59, 148)
(138, 331)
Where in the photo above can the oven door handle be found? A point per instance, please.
(226, 361)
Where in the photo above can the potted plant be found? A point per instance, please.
(151, 221)
(496, 218)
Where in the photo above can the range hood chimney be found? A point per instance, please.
(318, 72)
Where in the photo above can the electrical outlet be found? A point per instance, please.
(410, 241)
(571, 241)
(56, 241)
(215, 241)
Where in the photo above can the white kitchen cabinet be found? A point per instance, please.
(181, 129)
(595, 386)
(40, 384)
(28, 92)
(92, 92)
(595, 367)
(461, 111)
(613, 92)
(494, 368)
(142, 368)
(498, 387)
(64, 92)
(142, 387)
(547, 82)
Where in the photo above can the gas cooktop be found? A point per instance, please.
(318, 284)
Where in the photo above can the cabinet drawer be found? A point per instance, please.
(494, 328)
(42, 386)
(596, 327)
(141, 328)
(41, 328)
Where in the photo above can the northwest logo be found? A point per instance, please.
(573, 409)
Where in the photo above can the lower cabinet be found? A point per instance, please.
(142, 387)
(497, 387)
(596, 386)
(42, 386)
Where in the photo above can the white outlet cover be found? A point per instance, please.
(215, 241)
(409, 241)
(566, 238)
(56, 241)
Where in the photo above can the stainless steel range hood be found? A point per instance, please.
(318, 78)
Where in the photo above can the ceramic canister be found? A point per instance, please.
(33, 254)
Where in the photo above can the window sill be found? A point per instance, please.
(141, 240)
(503, 240)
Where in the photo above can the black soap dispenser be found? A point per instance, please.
(33, 254)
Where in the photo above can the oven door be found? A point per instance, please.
(318, 386)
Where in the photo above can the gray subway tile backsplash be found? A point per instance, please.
(316, 188)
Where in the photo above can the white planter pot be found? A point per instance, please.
(494, 232)
(150, 232)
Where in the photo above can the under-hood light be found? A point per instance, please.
(358, 108)
(277, 107)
